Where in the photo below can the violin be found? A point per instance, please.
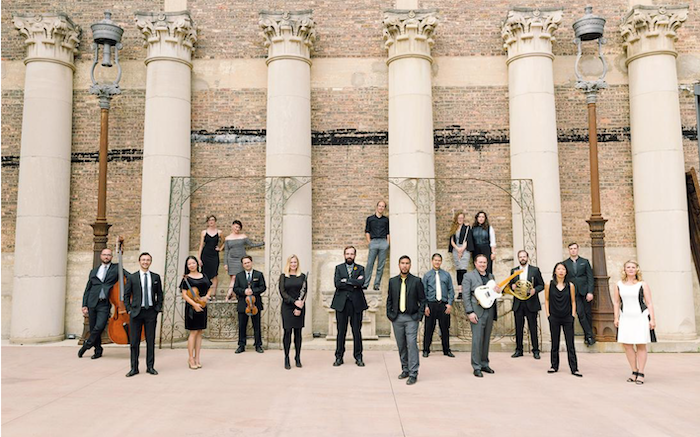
(250, 308)
(118, 323)
(193, 292)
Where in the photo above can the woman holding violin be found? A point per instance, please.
(293, 290)
(195, 288)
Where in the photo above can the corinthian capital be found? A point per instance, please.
(648, 30)
(409, 33)
(530, 32)
(288, 35)
(49, 37)
(168, 35)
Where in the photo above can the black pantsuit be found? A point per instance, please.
(143, 312)
(437, 314)
(555, 325)
(355, 317)
(243, 325)
(585, 314)
(145, 319)
(98, 317)
(349, 302)
(257, 286)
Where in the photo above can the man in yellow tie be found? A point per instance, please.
(405, 304)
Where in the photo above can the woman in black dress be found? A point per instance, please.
(210, 243)
(484, 239)
(292, 281)
(195, 314)
(560, 307)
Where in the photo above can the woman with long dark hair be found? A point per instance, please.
(461, 246)
(195, 314)
(560, 307)
(484, 239)
(292, 282)
(211, 241)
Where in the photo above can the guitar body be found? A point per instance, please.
(486, 295)
(118, 323)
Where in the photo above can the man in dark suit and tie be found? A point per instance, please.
(481, 318)
(349, 302)
(405, 303)
(143, 299)
(527, 308)
(96, 301)
(249, 282)
(580, 273)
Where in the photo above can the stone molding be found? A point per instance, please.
(530, 32)
(651, 30)
(409, 33)
(49, 37)
(288, 35)
(168, 36)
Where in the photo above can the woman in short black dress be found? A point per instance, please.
(291, 283)
(560, 306)
(195, 314)
(210, 243)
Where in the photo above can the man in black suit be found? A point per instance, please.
(143, 299)
(580, 273)
(96, 301)
(249, 282)
(528, 308)
(349, 302)
(405, 304)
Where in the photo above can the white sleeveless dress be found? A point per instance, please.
(634, 324)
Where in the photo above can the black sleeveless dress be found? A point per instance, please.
(210, 257)
(195, 321)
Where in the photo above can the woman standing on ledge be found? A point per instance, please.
(560, 306)
(195, 314)
(634, 318)
(484, 239)
(210, 244)
(292, 282)
(234, 249)
(461, 247)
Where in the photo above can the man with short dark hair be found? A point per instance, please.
(580, 273)
(528, 308)
(249, 282)
(481, 318)
(439, 295)
(349, 302)
(377, 234)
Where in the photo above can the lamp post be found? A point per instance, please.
(590, 28)
(106, 35)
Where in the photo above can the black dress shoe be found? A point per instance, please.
(152, 371)
(240, 349)
(536, 354)
(338, 362)
(517, 354)
(426, 354)
(359, 362)
(82, 350)
(297, 361)
(576, 373)
(591, 341)
(131, 373)
(259, 349)
(487, 370)
(478, 374)
(403, 375)
(411, 380)
(450, 354)
(96, 355)
(287, 365)
(376, 288)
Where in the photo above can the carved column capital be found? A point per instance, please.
(530, 32)
(409, 33)
(168, 35)
(650, 30)
(288, 35)
(49, 37)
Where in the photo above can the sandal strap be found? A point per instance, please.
(640, 374)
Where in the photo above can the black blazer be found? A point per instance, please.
(415, 297)
(257, 285)
(535, 277)
(468, 237)
(91, 295)
(132, 293)
(349, 288)
(583, 279)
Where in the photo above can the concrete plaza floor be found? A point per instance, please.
(48, 391)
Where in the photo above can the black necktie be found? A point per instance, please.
(248, 274)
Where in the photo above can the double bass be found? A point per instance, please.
(118, 323)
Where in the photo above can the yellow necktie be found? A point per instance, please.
(438, 286)
(402, 299)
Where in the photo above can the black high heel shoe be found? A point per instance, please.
(298, 361)
(286, 363)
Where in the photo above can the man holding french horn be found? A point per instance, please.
(526, 303)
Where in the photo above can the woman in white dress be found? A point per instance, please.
(634, 318)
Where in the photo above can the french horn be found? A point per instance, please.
(522, 290)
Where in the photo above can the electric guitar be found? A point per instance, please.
(487, 294)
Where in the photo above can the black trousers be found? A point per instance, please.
(585, 314)
(98, 317)
(437, 314)
(287, 341)
(355, 319)
(243, 325)
(520, 315)
(146, 319)
(556, 324)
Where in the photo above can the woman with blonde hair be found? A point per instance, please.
(634, 318)
(461, 246)
(292, 284)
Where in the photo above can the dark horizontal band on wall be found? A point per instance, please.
(451, 137)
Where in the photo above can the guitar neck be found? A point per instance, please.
(507, 280)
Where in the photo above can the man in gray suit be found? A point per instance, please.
(481, 318)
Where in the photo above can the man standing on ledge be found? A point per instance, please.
(249, 282)
(439, 294)
(528, 308)
(405, 304)
(580, 273)
(481, 318)
(377, 234)
(349, 302)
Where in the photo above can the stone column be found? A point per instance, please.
(528, 37)
(43, 197)
(289, 37)
(169, 38)
(660, 204)
(408, 37)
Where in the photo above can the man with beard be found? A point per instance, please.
(528, 308)
(349, 302)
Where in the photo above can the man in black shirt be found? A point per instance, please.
(377, 234)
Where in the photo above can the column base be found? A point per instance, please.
(37, 340)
